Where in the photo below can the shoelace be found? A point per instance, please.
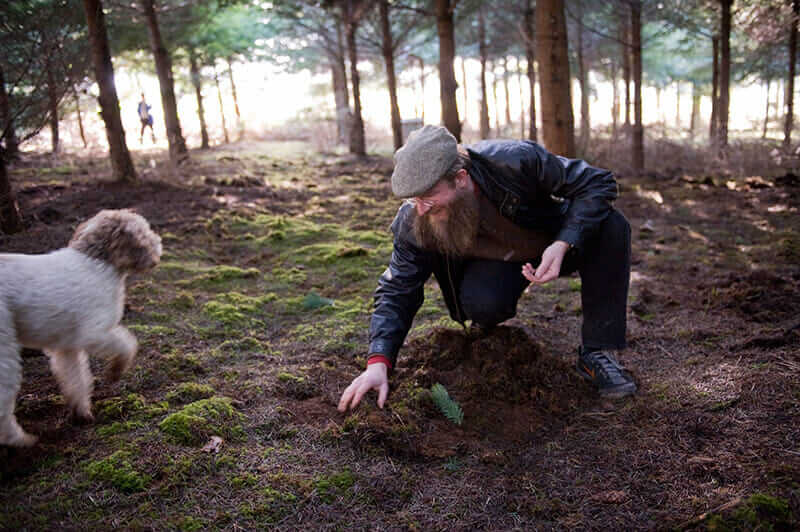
(608, 366)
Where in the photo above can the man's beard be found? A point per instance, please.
(454, 235)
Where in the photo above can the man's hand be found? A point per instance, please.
(550, 266)
(375, 377)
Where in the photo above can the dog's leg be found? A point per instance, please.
(120, 346)
(71, 369)
(10, 380)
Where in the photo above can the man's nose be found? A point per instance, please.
(422, 208)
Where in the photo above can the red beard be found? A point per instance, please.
(455, 234)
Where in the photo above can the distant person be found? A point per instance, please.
(488, 220)
(145, 118)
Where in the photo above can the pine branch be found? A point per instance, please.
(449, 407)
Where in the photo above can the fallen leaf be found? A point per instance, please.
(213, 445)
(610, 496)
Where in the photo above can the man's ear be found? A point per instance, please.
(462, 178)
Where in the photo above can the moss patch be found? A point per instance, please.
(199, 420)
(118, 471)
(187, 392)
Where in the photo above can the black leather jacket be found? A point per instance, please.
(531, 187)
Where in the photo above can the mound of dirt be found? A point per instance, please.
(760, 296)
(511, 392)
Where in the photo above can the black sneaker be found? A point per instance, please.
(603, 370)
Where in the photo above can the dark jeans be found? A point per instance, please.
(490, 289)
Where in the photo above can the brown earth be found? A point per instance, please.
(714, 344)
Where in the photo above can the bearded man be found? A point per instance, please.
(487, 221)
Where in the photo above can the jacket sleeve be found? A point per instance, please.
(400, 290)
(590, 191)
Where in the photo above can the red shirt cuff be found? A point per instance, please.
(379, 358)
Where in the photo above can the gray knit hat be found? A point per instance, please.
(425, 157)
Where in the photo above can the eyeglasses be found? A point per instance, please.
(429, 203)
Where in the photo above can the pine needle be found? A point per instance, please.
(449, 407)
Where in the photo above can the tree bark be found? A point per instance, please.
(52, 101)
(624, 38)
(636, 60)
(198, 91)
(485, 128)
(678, 106)
(10, 219)
(583, 81)
(766, 112)
(357, 140)
(221, 108)
(714, 121)
(340, 92)
(494, 99)
(724, 73)
(506, 95)
(789, 122)
(614, 101)
(80, 119)
(239, 125)
(464, 88)
(447, 77)
(696, 95)
(558, 126)
(530, 57)
(6, 121)
(388, 59)
(177, 144)
(521, 99)
(121, 163)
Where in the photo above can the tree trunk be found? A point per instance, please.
(341, 94)
(724, 73)
(485, 128)
(198, 91)
(583, 81)
(10, 219)
(52, 101)
(558, 127)
(789, 123)
(177, 144)
(521, 99)
(696, 95)
(624, 37)
(221, 108)
(714, 121)
(614, 101)
(388, 59)
(766, 112)
(239, 125)
(121, 163)
(6, 121)
(494, 100)
(636, 60)
(678, 106)
(80, 119)
(506, 95)
(530, 56)
(447, 77)
(464, 88)
(357, 140)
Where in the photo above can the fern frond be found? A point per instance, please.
(449, 407)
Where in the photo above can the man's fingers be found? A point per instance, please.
(348, 393)
(382, 393)
(362, 389)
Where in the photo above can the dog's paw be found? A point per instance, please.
(20, 439)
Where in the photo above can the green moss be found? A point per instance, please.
(188, 392)
(248, 344)
(118, 471)
(152, 330)
(329, 487)
(116, 408)
(188, 523)
(118, 427)
(180, 366)
(224, 312)
(759, 512)
(183, 301)
(245, 480)
(199, 420)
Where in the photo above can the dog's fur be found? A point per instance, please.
(67, 303)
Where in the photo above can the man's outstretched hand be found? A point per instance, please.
(550, 267)
(375, 377)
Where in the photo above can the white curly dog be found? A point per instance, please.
(69, 302)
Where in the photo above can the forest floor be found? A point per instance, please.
(256, 320)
